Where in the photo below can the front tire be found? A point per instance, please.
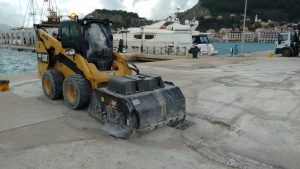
(76, 92)
(296, 52)
(52, 81)
(287, 52)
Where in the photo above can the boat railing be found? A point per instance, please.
(158, 48)
(161, 50)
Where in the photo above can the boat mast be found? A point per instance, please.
(53, 18)
(30, 13)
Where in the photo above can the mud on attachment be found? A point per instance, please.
(140, 102)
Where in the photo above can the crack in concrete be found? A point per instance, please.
(251, 111)
(222, 157)
(32, 124)
(44, 145)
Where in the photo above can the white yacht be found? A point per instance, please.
(164, 37)
(200, 39)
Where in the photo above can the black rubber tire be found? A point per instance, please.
(286, 52)
(82, 89)
(56, 81)
(296, 53)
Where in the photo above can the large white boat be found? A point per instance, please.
(200, 39)
(164, 37)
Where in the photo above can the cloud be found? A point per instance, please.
(12, 11)
(163, 9)
(9, 15)
(158, 9)
(137, 1)
(113, 4)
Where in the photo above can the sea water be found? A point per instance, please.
(223, 48)
(14, 61)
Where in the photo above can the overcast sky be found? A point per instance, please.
(12, 11)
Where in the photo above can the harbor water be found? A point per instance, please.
(14, 61)
(223, 48)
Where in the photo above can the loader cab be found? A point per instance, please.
(70, 34)
(91, 38)
(284, 40)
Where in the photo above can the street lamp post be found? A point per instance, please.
(244, 27)
(142, 43)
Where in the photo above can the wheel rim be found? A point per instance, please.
(71, 93)
(47, 85)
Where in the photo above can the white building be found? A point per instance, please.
(235, 36)
(266, 35)
(250, 36)
(21, 36)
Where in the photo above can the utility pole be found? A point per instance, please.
(244, 27)
(142, 43)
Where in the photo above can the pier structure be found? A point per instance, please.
(24, 36)
(21, 36)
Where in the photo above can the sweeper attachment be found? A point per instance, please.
(79, 65)
(137, 104)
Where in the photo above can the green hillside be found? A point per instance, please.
(278, 10)
(220, 10)
(120, 18)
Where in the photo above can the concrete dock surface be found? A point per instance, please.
(245, 110)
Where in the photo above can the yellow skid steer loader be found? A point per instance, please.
(79, 65)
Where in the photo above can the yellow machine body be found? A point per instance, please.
(93, 75)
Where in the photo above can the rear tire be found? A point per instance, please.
(52, 81)
(296, 53)
(287, 52)
(76, 91)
